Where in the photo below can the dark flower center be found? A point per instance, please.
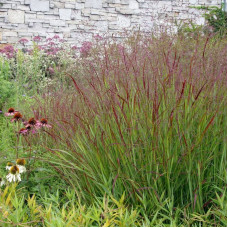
(28, 127)
(32, 121)
(20, 162)
(17, 116)
(9, 164)
(43, 121)
(10, 110)
(14, 169)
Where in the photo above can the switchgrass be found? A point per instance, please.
(149, 121)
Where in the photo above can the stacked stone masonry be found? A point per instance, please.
(78, 20)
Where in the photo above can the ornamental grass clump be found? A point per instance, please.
(149, 120)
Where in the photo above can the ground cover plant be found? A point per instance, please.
(135, 130)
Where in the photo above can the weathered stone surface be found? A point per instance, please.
(79, 5)
(78, 19)
(9, 33)
(93, 4)
(57, 23)
(133, 4)
(16, 16)
(69, 5)
(22, 7)
(38, 5)
(123, 21)
(65, 14)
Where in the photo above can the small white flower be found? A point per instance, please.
(21, 165)
(22, 168)
(2, 182)
(14, 174)
(9, 165)
(13, 177)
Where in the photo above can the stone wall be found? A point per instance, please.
(79, 20)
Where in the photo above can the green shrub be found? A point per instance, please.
(7, 86)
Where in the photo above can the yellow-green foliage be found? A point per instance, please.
(18, 210)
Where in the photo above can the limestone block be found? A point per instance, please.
(193, 2)
(45, 17)
(86, 12)
(95, 17)
(101, 25)
(57, 23)
(16, 16)
(9, 33)
(79, 5)
(6, 6)
(123, 21)
(3, 14)
(124, 2)
(12, 39)
(96, 12)
(200, 21)
(93, 4)
(14, 6)
(65, 14)
(113, 1)
(45, 25)
(38, 5)
(76, 15)
(69, 5)
(58, 4)
(124, 11)
(133, 4)
(0, 36)
(23, 7)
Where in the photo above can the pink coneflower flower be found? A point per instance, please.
(44, 123)
(17, 116)
(49, 39)
(11, 112)
(23, 131)
(31, 123)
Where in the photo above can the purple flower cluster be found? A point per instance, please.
(23, 41)
(9, 51)
(86, 47)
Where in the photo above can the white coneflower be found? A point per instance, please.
(9, 165)
(14, 174)
(21, 165)
(2, 182)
